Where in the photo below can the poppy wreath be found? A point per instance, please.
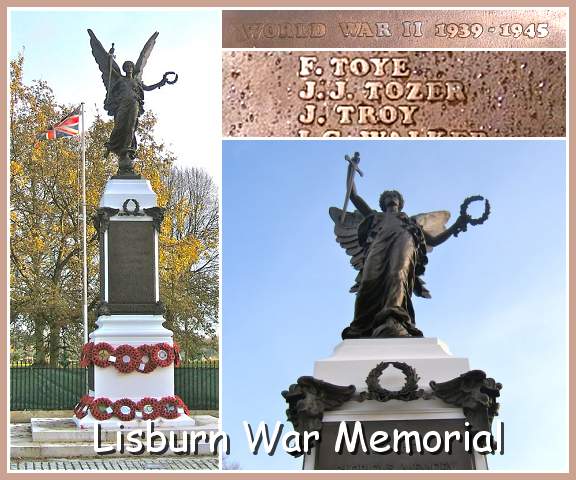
(176, 355)
(86, 355)
(159, 355)
(169, 407)
(101, 353)
(182, 404)
(101, 408)
(84, 400)
(81, 413)
(127, 358)
(82, 407)
(146, 351)
(149, 407)
(163, 354)
(125, 409)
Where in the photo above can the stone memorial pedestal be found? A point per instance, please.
(420, 407)
(130, 311)
(351, 364)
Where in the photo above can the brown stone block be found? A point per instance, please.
(449, 29)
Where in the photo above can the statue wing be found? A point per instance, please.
(433, 223)
(110, 70)
(143, 58)
(347, 236)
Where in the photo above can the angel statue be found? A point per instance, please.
(125, 99)
(389, 249)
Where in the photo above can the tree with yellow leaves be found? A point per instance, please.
(189, 263)
(45, 242)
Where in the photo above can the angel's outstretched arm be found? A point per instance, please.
(161, 83)
(165, 80)
(359, 202)
(435, 240)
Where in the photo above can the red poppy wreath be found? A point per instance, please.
(101, 353)
(101, 408)
(169, 407)
(86, 355)
(182, 405)
(177, 357)
(163, 355)
(127, 358)
(149, 407)
(82, 407)
(125, 409)
(146, 362)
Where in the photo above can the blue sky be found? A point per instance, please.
(56, 49)
(498, 290)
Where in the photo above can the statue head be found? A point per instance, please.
(391, 201)
(128, 68)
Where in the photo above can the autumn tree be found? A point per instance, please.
(189, 259)
(45, 246)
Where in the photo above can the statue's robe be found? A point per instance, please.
(395, 255)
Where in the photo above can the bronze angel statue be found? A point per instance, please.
(125, 99)
(389, 248)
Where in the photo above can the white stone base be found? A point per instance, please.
(131, 329)
(117, 191)
(134, 330)
(60, 438)
(66, 430)
(353, 360)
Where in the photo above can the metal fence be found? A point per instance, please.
(59, 388)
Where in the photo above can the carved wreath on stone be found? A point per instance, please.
(473, 391)
(408, 392)
(135, 211)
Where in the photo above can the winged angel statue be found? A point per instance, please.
(125, 99)
(389, 249)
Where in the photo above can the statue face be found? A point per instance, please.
(391, 203)
(128, 68)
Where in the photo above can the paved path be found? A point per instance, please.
(196, 463)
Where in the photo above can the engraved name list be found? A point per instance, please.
(385, 98)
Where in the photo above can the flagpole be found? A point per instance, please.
(84, 262)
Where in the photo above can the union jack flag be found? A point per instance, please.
(67, 127)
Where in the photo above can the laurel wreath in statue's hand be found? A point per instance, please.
(466, 219)
(170, 81)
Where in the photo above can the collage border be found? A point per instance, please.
(271, 4)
